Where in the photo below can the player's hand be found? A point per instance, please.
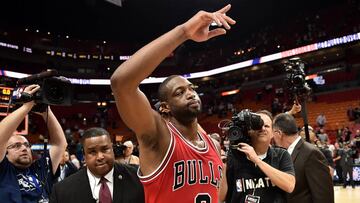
(198, 27)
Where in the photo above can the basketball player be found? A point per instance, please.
(178, 162)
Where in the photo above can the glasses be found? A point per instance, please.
(18, 145)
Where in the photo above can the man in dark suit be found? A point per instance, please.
(101, 180)
(313, 180)
(66, 167)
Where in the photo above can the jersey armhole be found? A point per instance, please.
(164, 161)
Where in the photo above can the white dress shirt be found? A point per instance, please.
(95, 183)
(291, 148)
(62, 172)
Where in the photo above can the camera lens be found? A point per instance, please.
(55, 94)
(234, 133)
(298, 80)
(256, 122)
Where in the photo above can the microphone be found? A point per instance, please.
(39, 76)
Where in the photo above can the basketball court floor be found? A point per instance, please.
(346, 195)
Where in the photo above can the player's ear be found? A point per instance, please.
(164, 108)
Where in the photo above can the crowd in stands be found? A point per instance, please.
(303, 30)
(341, 151)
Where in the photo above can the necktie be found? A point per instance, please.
(104, 193)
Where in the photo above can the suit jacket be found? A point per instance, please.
(69, 170)
(76, 188)
(313, 180)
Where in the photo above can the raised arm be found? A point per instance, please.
(56, 139)
(133, 106)
(296, 108)
(9, 124)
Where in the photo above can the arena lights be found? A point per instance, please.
(7, 45)
(101, 104)
(272, 57)
(231, 92)
(27, 50)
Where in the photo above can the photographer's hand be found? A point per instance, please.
(9, 124)
(31, 89)
(281, 179)
(249, 151)
(296, 108)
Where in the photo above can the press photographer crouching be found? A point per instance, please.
(21, 179)
(256, 171)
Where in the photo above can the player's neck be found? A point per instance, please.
(189, 131)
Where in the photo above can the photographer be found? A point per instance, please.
(21, 179)
(257, 172)
(127, 155)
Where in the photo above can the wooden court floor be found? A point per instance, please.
(348, 194)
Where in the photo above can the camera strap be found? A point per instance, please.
(252, 198)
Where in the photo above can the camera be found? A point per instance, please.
(295, 79)
(240, 125)
(54, 90)
(119, 150)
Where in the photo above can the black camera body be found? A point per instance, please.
(119, 150)
(295, 79)
(53, 90)
(241, 124)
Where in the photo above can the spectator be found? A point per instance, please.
(350, 113)
(101, 180)
(128, 157)
(357, 139)
(312, 135)
(322, 136)
(357, 114)
(313, 180)
(346, 134)
(66, 167)
(276, 106)
(216, 137)
(321, 120)
(337, 157)
(347, 163)
(21, 179)
(75, 161)
(324, 148)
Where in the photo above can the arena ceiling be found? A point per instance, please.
(138, 21)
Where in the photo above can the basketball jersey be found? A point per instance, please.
(186, 174)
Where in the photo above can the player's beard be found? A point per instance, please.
(185, 115)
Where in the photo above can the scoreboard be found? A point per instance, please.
(5, 108)
(5, 94)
